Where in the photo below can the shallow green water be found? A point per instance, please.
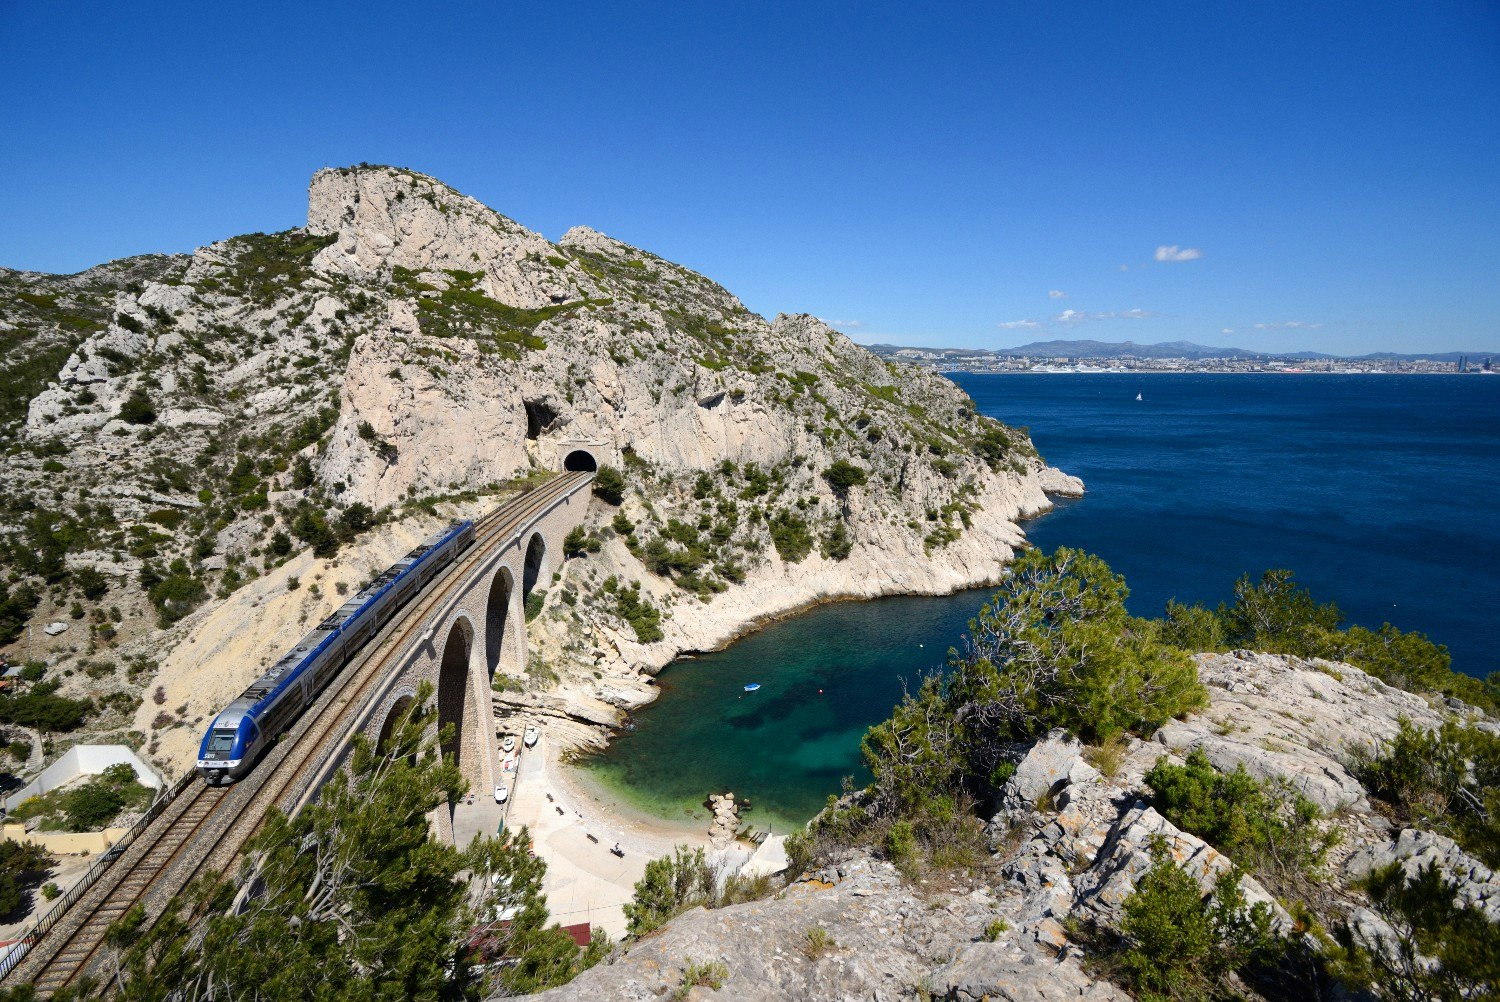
(1204, 478)
(825, 676)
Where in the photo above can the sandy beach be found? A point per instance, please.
(586, 882)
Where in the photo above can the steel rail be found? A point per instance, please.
(346, 698)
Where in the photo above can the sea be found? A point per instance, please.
(1379, 491)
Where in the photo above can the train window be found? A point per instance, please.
(221, 742)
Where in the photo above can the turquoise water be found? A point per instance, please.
(1379, 491)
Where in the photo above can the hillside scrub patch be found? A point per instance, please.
(1177, 944)
(1277, 615)
(609, 485)
(1266, 826)
(88, 806)
(671, 885)
(138, 408)
(638, 611)
(1446, 781)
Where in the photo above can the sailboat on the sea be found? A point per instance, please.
(1138, 396)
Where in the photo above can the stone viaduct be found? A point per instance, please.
(478, 632)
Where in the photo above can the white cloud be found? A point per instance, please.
(1124, 267)
(1072, 317)
(1176, 253)
(844, 325)
(1288, 325)
(1011, 325)
(1227, 330)
(1057, 294)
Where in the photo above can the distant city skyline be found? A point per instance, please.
(1277, 177)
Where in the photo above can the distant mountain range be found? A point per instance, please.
(1175, 349)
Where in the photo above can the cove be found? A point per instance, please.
(1378, 491)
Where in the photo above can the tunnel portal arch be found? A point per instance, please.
(580, 461)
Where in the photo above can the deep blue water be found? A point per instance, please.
(1378, 491)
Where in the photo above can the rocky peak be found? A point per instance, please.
(387, 218)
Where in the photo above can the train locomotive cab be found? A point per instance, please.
(229, 747)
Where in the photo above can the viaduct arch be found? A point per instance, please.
(474, 638)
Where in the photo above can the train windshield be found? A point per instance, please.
(221, 742)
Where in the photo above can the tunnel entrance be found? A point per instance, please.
(453, 695)
(580, 461)
(536, 553)
(497, 611)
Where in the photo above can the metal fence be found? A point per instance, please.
(91, 876)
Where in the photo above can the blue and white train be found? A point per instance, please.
(249, 725)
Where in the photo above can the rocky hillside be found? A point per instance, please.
(1070, 847)
(181, 426)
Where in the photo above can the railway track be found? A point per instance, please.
(205, 828)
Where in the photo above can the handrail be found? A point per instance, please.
(315, 777)
(61, 906)
(92, 874)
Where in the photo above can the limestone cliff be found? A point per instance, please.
(201, 419)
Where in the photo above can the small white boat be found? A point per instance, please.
(752, 687)
(509, 744)
(502, 793)
(531, 735)
(1138, 396)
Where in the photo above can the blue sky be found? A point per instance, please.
(1328, 173)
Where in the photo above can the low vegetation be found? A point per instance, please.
(353, 896)
(1175, 943)
(1446, 781)
(1265, 826)
(1277, 615)
(88, 806)
(22, 867)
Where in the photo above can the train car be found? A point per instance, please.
(245, 728)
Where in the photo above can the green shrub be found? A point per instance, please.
(1192, 628)
(91, 583)
(791, 535)
(16, 605)
(609, 485)
(900, 843)
(709, 974)
(1179, 944)
(843, 476)
(1441, 950)
(671, 884)
(1266, 826)
(138, 408)
(1447, 781)
(836, 543)
(21, 864)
